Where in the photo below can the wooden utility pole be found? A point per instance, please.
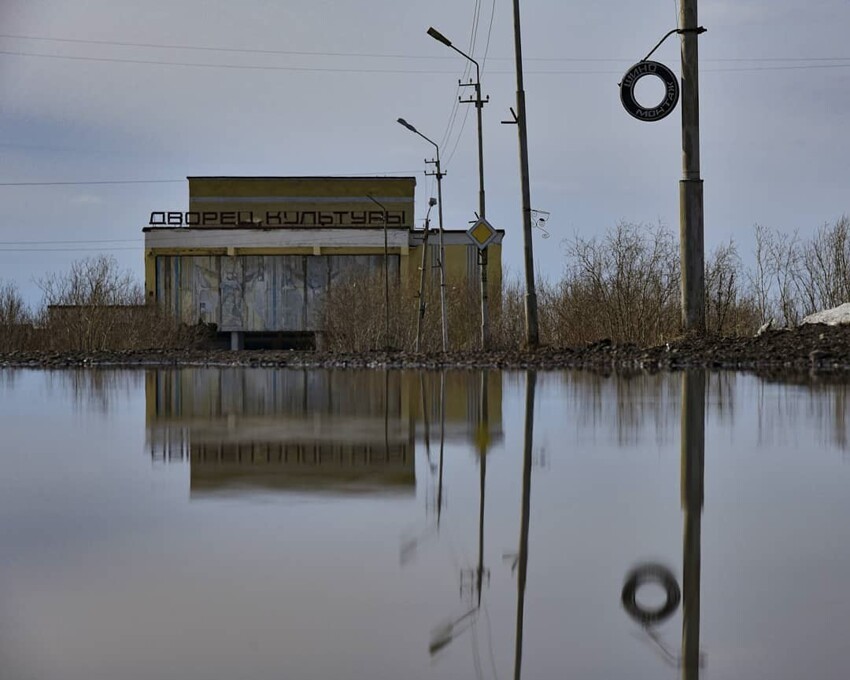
(691, 219)
(532, 335)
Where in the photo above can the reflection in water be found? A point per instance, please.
(98, 390)
(244, 430)
(525, 518)
(693, 475)
(472, 580)
(312, 588)
(692, 493)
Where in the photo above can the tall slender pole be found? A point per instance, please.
(485, 304)
(386, 274)
(691, 217)
(439, 174)
(443, 313)
(482, 212)
(422, 270)
(532, 333)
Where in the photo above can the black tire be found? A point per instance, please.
(650, 573)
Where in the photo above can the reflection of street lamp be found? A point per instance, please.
(386, 274)
(479, 105)
(444, 634)
(439, 174)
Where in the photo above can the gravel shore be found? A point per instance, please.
(812, 347)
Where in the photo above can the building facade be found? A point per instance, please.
(256, 256)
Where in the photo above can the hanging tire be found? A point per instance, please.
(651, 573)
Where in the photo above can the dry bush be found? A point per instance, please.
(95, 306)
(354, 320)
(793, 278)
(354, 316)
(823, 274)
(624, 287)
(729, 310)
(16, 328)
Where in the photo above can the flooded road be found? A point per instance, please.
(260, 523)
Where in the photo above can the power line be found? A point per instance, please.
(67, 250)
(241, 67)
(172, 181)
(107, 181)
(374, 55)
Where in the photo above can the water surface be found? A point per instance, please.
(254, 523)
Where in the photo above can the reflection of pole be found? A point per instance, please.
(693, 473)
(483, 434)
(425, 421)
(530, 385)
(442, 444)
(386, 414)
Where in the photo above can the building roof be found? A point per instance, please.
(300, 177)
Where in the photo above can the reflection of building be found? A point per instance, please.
(283, 429)
(257, 255)
(463, 405)
(301, 429)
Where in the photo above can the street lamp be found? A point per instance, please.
(386, 274)
(479, 104)
(439, 174)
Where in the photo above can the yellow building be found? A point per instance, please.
(256, 255)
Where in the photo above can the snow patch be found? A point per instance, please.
(832, 317)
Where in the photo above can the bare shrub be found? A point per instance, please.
(729, 310)
(623, 287)
(354, 316)
(15, 319)
(823, 277)
(96, 306)
(777, 276)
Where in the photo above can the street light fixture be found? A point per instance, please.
(439, 174)
(479, 105)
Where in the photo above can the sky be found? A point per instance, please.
(96, 91)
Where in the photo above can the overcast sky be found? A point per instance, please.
(313, 87)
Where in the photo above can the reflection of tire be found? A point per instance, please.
(650, 573)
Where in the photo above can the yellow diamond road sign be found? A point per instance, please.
(482, 233)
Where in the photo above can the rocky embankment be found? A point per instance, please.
(810, 347)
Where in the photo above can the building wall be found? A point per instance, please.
(260, 253)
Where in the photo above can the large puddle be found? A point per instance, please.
(252, 524)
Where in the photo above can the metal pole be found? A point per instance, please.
(691, 217)
(442, 256)
(439, 174)
(386, 274)
(386, 286)
(485, 306)
(482, 213)
(532, 333)
(421, 315)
